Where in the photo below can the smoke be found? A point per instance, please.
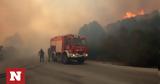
(37, 21)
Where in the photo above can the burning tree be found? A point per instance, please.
(135, 41)
(132, 15)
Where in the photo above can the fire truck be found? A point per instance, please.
(69, 48)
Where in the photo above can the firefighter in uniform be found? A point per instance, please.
(41, 54)
(53, 54)
(49, 55)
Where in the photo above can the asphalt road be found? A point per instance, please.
(88, 73)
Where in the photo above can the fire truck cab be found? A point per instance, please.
(69, 48)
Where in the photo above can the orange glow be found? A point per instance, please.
(141, 12)
(131, 14)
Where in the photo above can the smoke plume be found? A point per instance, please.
(36, 21)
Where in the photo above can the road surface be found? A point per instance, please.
(89, 73)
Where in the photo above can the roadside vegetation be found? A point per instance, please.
(134, 41)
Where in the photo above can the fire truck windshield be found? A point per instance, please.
(77, 41)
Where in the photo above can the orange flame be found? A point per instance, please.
(141, 12)
(131, 14)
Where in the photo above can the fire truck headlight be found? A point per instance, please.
(86, 55)
(73, 55)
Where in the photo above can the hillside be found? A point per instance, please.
(133, 41)
(136, 41)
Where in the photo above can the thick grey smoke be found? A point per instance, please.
(37, 21)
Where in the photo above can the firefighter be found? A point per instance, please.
(41, 54)
(53, 54)
(49, 55)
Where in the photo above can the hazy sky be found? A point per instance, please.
(38, 20)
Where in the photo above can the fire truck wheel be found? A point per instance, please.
(64, 59)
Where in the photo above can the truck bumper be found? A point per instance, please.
(77, 57)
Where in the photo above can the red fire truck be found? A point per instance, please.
(69, 48)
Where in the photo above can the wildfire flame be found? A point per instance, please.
(131, 14)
